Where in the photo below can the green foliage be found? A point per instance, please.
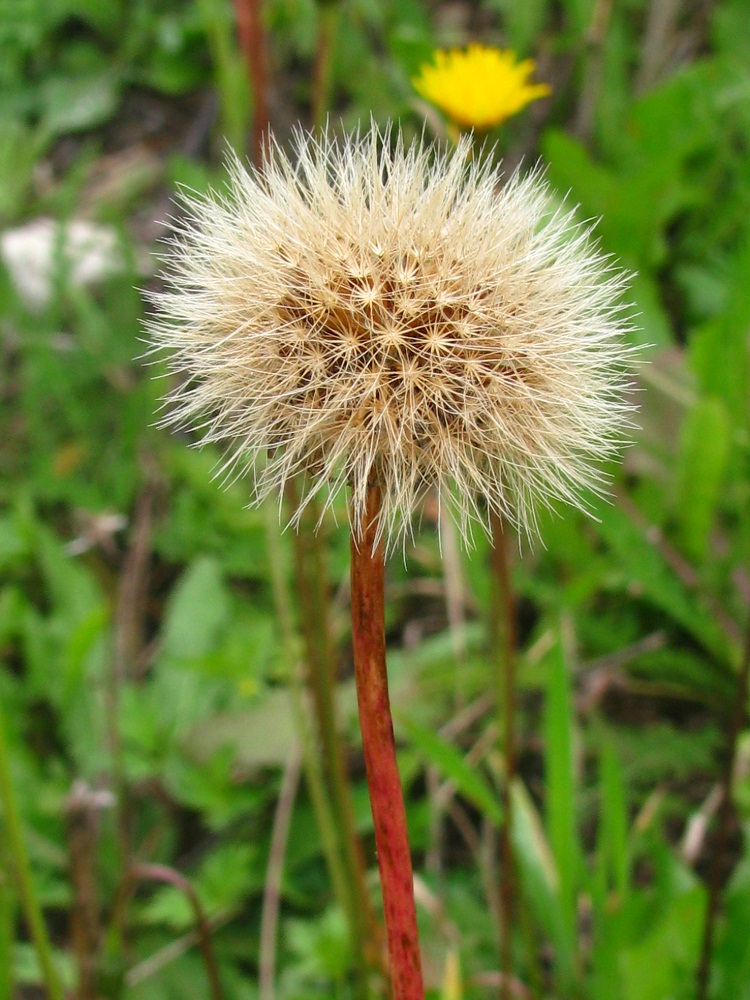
(561, 799)
(704, 452)
(452, 764)
(143, 652)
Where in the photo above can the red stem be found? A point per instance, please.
(386, 795)
(252, 38)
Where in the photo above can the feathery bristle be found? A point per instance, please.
(368, 311)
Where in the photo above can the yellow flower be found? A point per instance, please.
(479, 87)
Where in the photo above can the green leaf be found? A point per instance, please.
(612, 842)
(14, 548)
(718, 350)
(702, 462)
(539, 877)
(662, 963)
(732, 951)
(20, 148)
(643, 564)
(71, 587)
(261, 736)
(321, 949)
(453, 765)
(74, 104)
(523, 22)
(197, 610)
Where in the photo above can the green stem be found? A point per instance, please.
(504, 657)
(6, 929)
(19, 861)
(316, 632)
(321, 83)
(384, 783)
(313, 772)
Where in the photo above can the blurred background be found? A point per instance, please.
(160, 776)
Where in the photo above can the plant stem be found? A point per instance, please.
(593, 69)
(85, 915)
(386, 794)
(252, 39)
(316, 632)
(313, 771)
(272, 890)
(127, 645)
(7, 991)
(163, 873)
(723, 821)
(321, 82)
(19, 860)
(504, 656)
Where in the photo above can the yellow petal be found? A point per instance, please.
(478, 87)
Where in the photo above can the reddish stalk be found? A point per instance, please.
(384, 783)
(85, 924)
(252, 38)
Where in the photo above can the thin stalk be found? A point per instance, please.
(316, 789)
(269, 921)
(321, 82)
(504, 658)
(163, 873)
(324, 818)
(153, 964)
(230, 74)
(386, 794)
(127, 645)
(593, 69)
(252, 38)
(723, 821)
(314, 622)
(19, 861)
(85, 927)
(7, 991)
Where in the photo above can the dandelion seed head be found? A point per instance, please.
(366, 311)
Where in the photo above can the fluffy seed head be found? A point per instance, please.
(370, 312)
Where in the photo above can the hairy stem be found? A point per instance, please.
(19, 862)
(386, 795)
(504, 657)
(723, 821)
